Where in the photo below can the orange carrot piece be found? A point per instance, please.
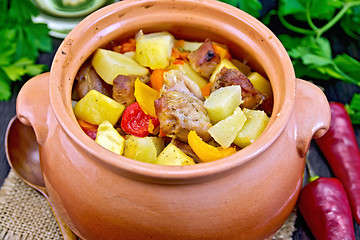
(179, 43)
(128, 46)
(161, 133)
(157, 79)
(206, 89)
(223, 53)
(87, 125)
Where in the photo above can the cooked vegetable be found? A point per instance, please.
(157, 79)
(88, 128)
(109, 64)
(172, 105)
(222, 51)
(341, 150)
(224, 63)
(145, 149)
(188, 71)
(325, 208)
(245, 69)
(222, 103)
(206, 152)
(109, 138)
(260, 83)
(172, 155)
(187, 46)
(225, 131)
(255, 124)
(146, 96)
(154, 49)
(135, 122)
(96, 108)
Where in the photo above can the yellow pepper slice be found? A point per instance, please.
(146, 96)
(206, 152)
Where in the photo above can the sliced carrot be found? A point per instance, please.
(176, 54)
(128, 46)
(223, 53)
(157, 79)
(87, 125)
(179, 43)
(161, 133)
(206, 89)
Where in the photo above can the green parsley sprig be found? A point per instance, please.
(21, 42)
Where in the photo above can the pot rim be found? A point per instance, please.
(61, 100)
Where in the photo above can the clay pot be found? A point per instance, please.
(101, 195)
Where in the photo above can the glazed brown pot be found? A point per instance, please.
(101, 195)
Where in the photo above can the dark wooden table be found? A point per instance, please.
(335, 91)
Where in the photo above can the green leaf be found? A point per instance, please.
(5, 89)
(21, 67)
(252, 7)
(39, 33)
(21, 11)
(351, 22)
(316, 60)
(349, 66)
(353, 108)
(319, 9)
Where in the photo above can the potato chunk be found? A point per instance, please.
(260, 83)
(172, 155)
(109, 138)
(96, 108)
(225, 131)
(154, 50)
(222, 103)
(109, 64)
(145, 149)
(255, 124)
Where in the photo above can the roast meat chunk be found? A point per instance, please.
(87, 79)
(123, 88)
(180, 113)
(175, 80)
(204, 60)
(250, 96)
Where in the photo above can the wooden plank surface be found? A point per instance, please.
(334, 90)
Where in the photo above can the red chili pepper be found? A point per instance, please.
(136, 122)
(340, 148)
(325, 208)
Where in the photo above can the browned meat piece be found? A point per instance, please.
(88, 79)
(180, 113)
(123, 88)
(175, 80)
(204, 60)
(250, 96)
(186, 149)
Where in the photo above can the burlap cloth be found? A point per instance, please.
(26, 215)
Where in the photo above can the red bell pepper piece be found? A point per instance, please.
(325, 208)
(88, 128)
(135, 122)
(340, 148)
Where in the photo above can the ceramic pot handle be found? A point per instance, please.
(312, 113)
(33, 105)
